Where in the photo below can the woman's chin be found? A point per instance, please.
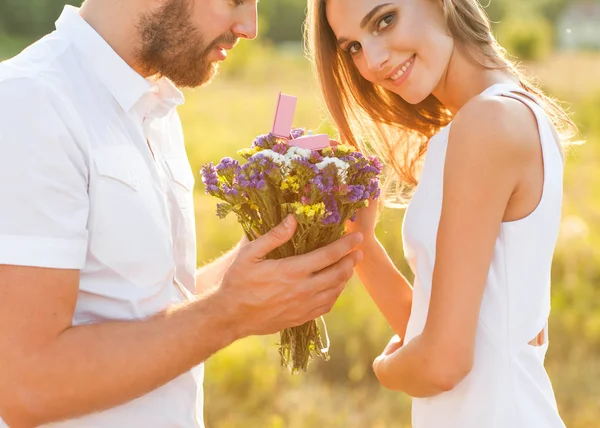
(411, 97)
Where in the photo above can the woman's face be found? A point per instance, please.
(401, 45)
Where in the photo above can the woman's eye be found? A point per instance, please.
(354, 48)
(385, 22)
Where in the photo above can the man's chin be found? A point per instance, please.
(212, 73)
(197, 79)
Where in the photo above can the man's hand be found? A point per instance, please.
(266, 296)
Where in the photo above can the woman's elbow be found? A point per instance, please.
(452, 369)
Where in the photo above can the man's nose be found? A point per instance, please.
(247, 25)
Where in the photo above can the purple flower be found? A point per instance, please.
(210, 178)
(297, 132)
(369, 169)
(230, 191)
(261, 184)
(323, 183)
(315, 157)
(212, 189)
(209, 174)
(265, 141)
(327, 180)
(251, 177)
(227, 164)
(376, 164)
(280, 148)
(355, 193)
(333, 215)
(372, 190)
(304, 168)
(260, 141)
(352, 157)
(261, 162)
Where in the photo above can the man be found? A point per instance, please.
(103, 320)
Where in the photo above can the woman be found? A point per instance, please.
(427, 85)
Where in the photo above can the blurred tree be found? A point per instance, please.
(32, 18)
(528, 37)
(284, 18)
(281, 20)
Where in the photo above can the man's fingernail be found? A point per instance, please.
(287, 223)
(359, 238)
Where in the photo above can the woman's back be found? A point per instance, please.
(508, 386)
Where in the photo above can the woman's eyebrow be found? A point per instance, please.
(367, 18)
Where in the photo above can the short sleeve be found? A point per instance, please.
(44, 202)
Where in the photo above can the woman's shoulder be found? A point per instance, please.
(498, 127)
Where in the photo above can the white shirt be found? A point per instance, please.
(81, 189)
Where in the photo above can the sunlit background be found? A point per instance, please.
(557, 40)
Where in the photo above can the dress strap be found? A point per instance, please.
(543, 120)
(515, 91)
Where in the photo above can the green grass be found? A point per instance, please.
(244, 384)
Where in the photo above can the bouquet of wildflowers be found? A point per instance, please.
(322, 188)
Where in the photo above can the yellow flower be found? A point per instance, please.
(328, 151)
(290, 183)
(308, 211)
(297, 207)
(345, 149)
(251, 151)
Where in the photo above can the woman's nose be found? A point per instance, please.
(376, 58)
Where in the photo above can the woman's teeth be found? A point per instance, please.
(401, 72)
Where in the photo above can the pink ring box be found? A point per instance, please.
(312, 142)
(284, 115)
(282, 125)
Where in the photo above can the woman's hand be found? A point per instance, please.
(366, 219)
(394, 344)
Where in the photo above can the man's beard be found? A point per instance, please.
(173, 48)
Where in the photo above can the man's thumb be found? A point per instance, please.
(276, 237)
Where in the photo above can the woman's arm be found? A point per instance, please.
(486, 160)
(388, 288)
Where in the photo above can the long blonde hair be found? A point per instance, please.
(379, 121)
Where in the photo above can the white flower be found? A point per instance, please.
(297, 153)
(278, 158)
(339, 164)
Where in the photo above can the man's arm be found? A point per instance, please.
(52, 371)
(211, 274)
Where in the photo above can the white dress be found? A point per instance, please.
(508, 386)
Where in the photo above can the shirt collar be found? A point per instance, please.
(129, 89)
